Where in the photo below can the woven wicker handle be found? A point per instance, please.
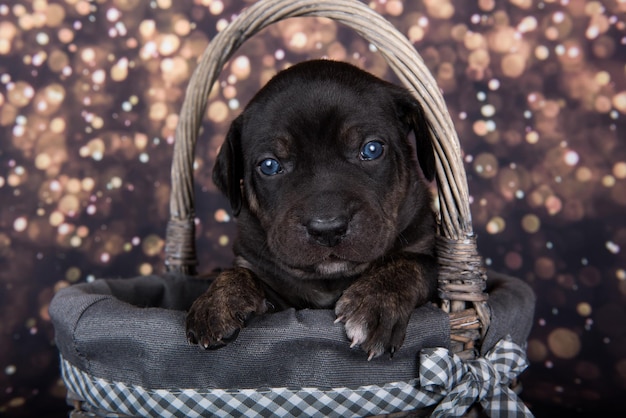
(461, 265)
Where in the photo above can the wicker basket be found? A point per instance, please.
(462, 281)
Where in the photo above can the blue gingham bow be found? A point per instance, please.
(485, 380)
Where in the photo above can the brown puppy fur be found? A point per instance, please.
(332, 210)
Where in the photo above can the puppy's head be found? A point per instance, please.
(321, 162)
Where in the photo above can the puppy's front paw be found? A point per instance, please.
(374, 320)
(216, 317)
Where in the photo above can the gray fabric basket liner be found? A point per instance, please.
(132, 331)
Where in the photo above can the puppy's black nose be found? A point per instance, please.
(327, 231)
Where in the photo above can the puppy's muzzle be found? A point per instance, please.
(327, 231)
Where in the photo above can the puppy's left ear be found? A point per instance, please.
(228, 169)
(412, 113)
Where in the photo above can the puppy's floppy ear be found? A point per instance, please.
(228, 169)
(412, 113)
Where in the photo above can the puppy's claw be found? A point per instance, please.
(339, 319)
(371, 356)
(242, 318)
(354, 343)
(204, 343)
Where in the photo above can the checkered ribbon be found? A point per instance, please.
(444, 378)
(117, 399)
(485, 380)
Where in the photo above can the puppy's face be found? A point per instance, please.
(321, 167)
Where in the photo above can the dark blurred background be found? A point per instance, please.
(89, 96)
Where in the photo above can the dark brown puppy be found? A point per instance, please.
(332, 210)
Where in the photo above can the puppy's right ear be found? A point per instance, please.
(228, 169)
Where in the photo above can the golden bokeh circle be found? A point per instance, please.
(564, 343)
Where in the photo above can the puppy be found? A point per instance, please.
(332, 210)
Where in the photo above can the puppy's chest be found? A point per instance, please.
(321, 294)
(321, 299)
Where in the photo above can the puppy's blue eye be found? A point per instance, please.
(270, 167)
(372, 150)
